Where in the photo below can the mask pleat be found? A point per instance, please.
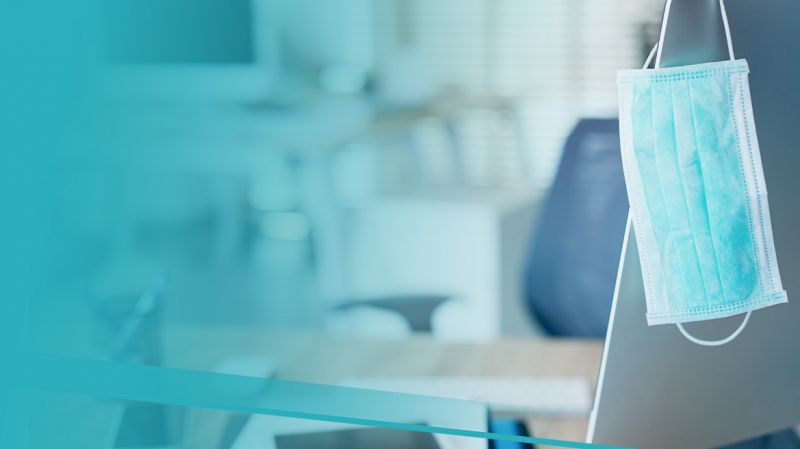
(725, 189)
(679, 242)
(690, 161)
(645, 152)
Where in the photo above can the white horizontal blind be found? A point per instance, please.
(452, 38)
(556, 59)
(611, 39)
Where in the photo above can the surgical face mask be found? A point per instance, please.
(697, 193)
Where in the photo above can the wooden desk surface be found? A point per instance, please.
(312, 357)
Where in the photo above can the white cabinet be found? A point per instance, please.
(470, 245)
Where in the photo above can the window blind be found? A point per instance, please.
(556, 59)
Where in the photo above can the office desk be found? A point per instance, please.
(311, 357)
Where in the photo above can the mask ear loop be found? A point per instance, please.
(664, 21)
(650, 56)
(724, 341)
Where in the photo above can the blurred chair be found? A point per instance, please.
(416, 312)
(573, 259)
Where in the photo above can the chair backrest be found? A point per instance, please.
(573, 259)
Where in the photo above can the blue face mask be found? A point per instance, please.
(697, 192)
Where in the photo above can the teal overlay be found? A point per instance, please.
(80, 164)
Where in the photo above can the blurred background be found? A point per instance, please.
(421, 196)
(367, 167)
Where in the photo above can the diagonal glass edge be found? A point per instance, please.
(283, 398)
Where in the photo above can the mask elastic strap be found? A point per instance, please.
(664, 21)
(724, 341)
(650, 56)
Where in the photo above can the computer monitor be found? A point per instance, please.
(194, 50)
(658, 390)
